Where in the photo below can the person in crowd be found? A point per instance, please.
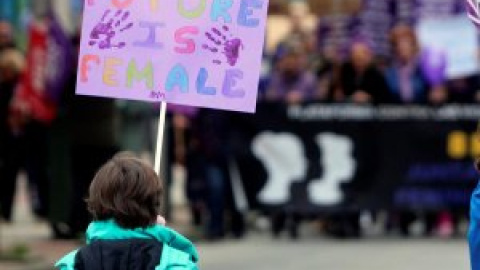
(31, 112)
(406, 77)
(291, 81)
(175, 152)
(124, 199)
(359, 80)
(6, 36)
(208, 162)
(324, 65)
(11, 67)
(84, 136)
(180, 153)
(94, 138)
(414, 79)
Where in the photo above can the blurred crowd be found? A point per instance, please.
(301, 67)
(60, 154)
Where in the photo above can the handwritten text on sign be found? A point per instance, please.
(204, 53)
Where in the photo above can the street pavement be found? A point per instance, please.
(267, 254)
(260, 252)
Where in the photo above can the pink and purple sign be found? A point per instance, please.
(204, 53)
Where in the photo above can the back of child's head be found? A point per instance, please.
(126, 190)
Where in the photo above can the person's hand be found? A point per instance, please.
(180, 122)
(361, 97)
(17, 121)
(180, 154)
(322, 90)
(477, 96)
(294, 97)
(161, 221)
(338, 95)
(438, 95)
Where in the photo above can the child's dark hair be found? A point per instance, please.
(127, 190)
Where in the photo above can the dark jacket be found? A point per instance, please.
(111, 247)
(371, 81)
(417, 81)
(6, 94)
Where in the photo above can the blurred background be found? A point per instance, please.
(360, 155)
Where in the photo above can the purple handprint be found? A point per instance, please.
(103, 33)
(219, 40)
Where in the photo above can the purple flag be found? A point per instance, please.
(59, 59)
(434, 66)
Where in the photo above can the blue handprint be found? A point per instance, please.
(231, 46)
(103, 33)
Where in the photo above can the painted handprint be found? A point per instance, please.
(105, 31)
(222, 41)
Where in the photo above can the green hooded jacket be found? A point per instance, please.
(178, 252)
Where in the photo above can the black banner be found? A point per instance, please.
(322, 158)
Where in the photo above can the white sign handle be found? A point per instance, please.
(160, 136)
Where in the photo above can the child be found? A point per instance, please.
(124, 199)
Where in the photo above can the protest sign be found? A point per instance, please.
(204, 53)
(457, 38)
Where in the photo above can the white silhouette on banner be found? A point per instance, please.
(283, 157)
(338, 166)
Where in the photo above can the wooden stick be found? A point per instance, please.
(160, 136)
